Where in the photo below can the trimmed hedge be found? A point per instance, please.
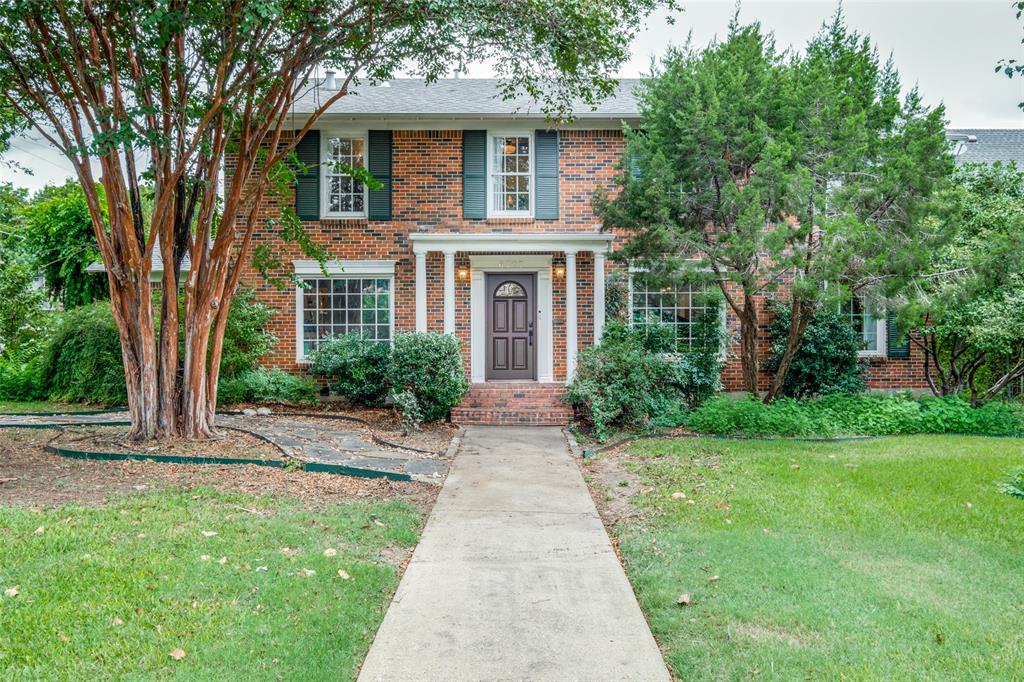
(867, 415)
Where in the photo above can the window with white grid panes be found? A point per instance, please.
(678, 307)
(345, 305)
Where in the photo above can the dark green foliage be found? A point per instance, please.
(754, 161)
(630, 381)
(430, 367)
(246, 338)
(82, 358)
(838, 415)
(20, 376)
(620, 383)
(967, 310)
(62, 244)
(827, 359)
(266, 386)
(357, 368)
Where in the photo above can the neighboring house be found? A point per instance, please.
(988, 145)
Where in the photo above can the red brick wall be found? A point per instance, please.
(427, 196)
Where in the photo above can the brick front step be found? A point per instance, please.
(526, 403)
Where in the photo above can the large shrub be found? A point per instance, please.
(430, 367)
(82, 358)
(826, 361)
(265, 386)
(246, 338)
(620, 383)
(874, 415)
(631, 380)
(356, 368)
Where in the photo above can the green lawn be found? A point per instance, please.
(887, 559)
(111, 592)
(9, 407)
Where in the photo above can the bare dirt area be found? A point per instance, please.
(233, 444)
(612, 484)
(31, 476)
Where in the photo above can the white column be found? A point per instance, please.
(421, 291)
(570, 314)
(598, 295)
(449, 293)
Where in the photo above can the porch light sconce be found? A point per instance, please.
(463, 273)
(560, 272)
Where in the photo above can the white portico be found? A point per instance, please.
(513, 272)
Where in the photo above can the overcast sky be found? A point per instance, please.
(948, 48)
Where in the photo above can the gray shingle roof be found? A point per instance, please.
(158, 262)
(455, 97)
(993, 144)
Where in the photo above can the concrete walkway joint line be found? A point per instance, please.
(514, 577)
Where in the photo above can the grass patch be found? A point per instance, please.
(24, 407)
(111, 591)
(896, 558)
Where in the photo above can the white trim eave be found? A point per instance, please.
(515, 242)
(345, 267)
(406, 121)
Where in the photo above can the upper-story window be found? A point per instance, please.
(511, 171)
(343, 195)
(869, 328)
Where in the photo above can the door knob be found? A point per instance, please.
(529, 331)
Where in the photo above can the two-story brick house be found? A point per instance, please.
(482, 228)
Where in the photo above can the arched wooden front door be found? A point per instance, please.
(511, 326)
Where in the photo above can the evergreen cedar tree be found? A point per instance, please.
(756, 165)
(184, 82)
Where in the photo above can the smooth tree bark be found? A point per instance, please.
(160, 99)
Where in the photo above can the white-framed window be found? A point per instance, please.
(870, 329)
(510, 190)
(342, 196)
(678, 307)
(354, 298)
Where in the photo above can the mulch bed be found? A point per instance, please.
(233, 445)
(385, 423)
(31, 476)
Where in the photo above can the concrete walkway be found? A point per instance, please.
(514, 578)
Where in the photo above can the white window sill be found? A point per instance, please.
(343, 216)
(868, 354)
(525, 215)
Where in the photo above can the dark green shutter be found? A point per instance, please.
(379, 165)
(545, 161)
(897, 343)
(307, 179)
(474, 174)
(634, 165)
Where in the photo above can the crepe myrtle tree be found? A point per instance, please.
(753, 166)
(161, 92)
